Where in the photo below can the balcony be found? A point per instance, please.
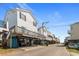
(26, 32)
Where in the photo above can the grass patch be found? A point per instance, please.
(5, 51)
(73, 50)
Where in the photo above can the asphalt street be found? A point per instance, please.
(51, 50)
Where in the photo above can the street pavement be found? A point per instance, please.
(51, 50)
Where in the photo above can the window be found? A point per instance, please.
(34, 23)
(22, 16)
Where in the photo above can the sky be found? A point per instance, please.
(58, 15)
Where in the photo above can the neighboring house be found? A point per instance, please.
(43, 30)
(57, 40)
(66, 40)
(74, 31)
(54, 39)
(74, 35)
(49, 36)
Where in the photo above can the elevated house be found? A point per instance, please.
(54, 39)
(48, 35)
(43, 30)
(58, 40)
(22, 28)
(74, 36)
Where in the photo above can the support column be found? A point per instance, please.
(32, 42)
